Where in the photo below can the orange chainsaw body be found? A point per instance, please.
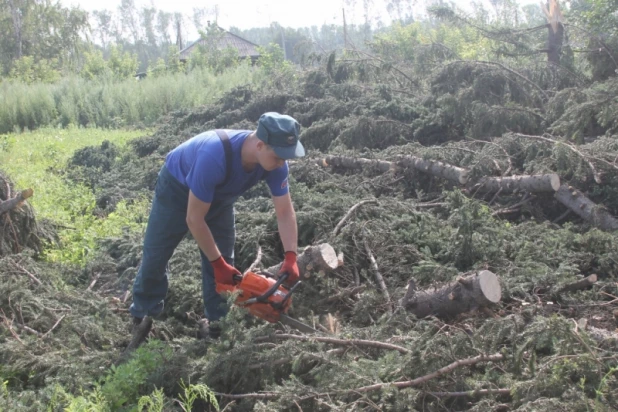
(254, 285)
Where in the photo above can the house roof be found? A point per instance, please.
(245, 47)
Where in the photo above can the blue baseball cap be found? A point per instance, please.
(281, 132)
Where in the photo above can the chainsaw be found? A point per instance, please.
(265, 297)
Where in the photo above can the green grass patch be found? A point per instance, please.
(38, 160)
(113, 103)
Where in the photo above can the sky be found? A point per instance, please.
(241, 13)
(246, 14)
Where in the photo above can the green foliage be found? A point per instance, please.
(93, 401)
(28, 71)
(94, 65)
(154, 402)
(193, 392)
(598, 15)
(46, 33)
(272, 61)
(122, 64)
(211, 54)
(111, 104)
(37, 160)
(123, 384)
(590, 112)
(119, 66)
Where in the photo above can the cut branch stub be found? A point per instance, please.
(527, 183)
(586, 208)
(462, 295)
(453, 173)
(582, 284)
(9, 204)
(314, 258)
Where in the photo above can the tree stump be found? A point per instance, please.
(462, 295)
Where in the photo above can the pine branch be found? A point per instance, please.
(335, 341)
(521, 76)
(376, 271)
(433, 375)
(595, 173)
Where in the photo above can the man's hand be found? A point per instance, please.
(224, 272)
(291, 267)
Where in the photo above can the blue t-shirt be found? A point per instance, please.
(199, 163)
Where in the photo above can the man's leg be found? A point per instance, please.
(166, 228)
(220, 220)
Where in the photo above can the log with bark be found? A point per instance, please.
(462, 295)
(457, 175)
(6, 205)
(357, 163)
(586, 208)
(313, 259)
(527, 183)
(449, 172)
(435, 168)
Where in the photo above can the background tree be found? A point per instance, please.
(40, 29)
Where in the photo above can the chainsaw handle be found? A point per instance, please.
(287, 297)
(264, 297)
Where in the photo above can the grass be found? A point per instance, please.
(112, 103)
(37, 160)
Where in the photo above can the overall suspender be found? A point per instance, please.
(227, 147)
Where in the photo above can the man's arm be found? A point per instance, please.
(286, 222)
(196, 213)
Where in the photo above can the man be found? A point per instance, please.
(195, 192)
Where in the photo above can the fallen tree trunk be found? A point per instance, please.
(9, 204)
(528, 183)
(586, 208)
(453, 173)
(314, 258)
(357, 163)
(462, 295)
(458, 175)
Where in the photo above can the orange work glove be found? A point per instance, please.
(224, 272)
(291, 267)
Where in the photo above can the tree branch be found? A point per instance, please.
(347, 215)
(376, 271)
(595, 173)
(335, 341)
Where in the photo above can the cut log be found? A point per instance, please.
(435, 168)
(586, 208)
(313, 259)
(357, 163)
(582, 284)
(464, 294)
(9, 204)
(527, 183)
(453, 173)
